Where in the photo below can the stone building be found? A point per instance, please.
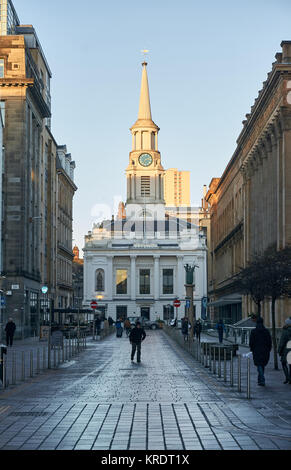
(251, 202)
(134, 264)
(177, 188)
(30, 181)
(78, 276)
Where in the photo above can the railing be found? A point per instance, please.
(235, 334)
(18, 365)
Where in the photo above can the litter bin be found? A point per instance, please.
(3, 350)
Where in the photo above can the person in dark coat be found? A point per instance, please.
(261, 346)
(198, 329)
(110, 321)
(283, 350)
(185, 328)
(220, 328)
(10, 330)
(136, 336)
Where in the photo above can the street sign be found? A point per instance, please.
(177, 303)
(188, 303)
(44, 289)
(94, 304)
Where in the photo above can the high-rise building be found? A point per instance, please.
(177, 188)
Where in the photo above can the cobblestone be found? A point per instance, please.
(170, 401)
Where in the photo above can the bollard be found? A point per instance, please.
(63, 353)
(31, 364)
(38, 361)
(55, 358)
(239, 374)
(23, 366)
(43, 358)
(4, 371)
(206, 356)
(210, 359)
(214, 359)
(49, 352)
(224, 359)
(14, 369)
(219, 362)
(249, 379)
(231, 368)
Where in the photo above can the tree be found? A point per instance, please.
(250, 281)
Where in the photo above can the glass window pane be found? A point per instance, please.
(121, 281)
(168, 281)
(1, 68)
(144, 281)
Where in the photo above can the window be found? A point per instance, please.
(168, 281)
(144, 281)
(145, 186)
(1, 68)
(100, 277)
(153, 140)
(121, 281)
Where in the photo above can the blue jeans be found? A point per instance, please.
(261, 377)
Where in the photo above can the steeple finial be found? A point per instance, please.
(144, 103)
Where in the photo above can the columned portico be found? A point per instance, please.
(157, 277)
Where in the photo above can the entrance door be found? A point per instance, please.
(121, 312)
(145, 312)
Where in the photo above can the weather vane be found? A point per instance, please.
(145, 52)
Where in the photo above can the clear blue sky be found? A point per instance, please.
(207, 61)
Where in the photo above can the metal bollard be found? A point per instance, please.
(219, 362)
(224, 359)
(43, 358)
(55, 358)
(206, 356)
(31, 364)
(210, 359)
(14, 369)
(231, 368)
(249, 379)
(239, 374)
(63, 353)
(37, 361)
(214, 359)
(23, 366)
(49, 352)
(4, 364)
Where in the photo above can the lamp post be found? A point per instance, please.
(190, 285)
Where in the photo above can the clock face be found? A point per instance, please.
(145, 159)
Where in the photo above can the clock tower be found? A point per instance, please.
(145, 174)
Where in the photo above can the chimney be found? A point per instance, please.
(286, 52)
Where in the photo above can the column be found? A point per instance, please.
(133, 277)
(109, 278)
(157, 277)
(180, 277)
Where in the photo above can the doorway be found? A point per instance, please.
(145, 312)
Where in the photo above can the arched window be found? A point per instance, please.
(100, 280)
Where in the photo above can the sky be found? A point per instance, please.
(206, 64)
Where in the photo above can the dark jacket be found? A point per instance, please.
(137, 335)
(260, 345)
(285, 337)
(185, 327)
(10, 328)
(198, 327)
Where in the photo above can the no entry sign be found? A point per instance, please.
(94, 304)
(177, 303)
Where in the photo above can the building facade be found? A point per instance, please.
(30, 185)
(177, 188)
(134, 265)
(251, 202)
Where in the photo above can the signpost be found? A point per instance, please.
(94, 305)
(177, 304)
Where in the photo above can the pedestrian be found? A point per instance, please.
(136, 336)
(261, 346)
(185, 328)
(119, 328)
(97, 325)
(110, 321)
(127, 326)
(220, 328)
(198, 329)
(10, 330)
(283, 349)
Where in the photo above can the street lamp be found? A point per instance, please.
(190, 285)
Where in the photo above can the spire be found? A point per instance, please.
(144, 103)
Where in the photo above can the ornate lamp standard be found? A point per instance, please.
(190, 286)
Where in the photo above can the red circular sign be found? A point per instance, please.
(177, 303)
(94, 304)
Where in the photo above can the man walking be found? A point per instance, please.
(10, 330)
(137, 335)
(220, 328)
(283, 350)
(127, 326)
(261, 346)
(185, 328)
(198, 329)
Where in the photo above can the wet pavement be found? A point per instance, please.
(100, 400)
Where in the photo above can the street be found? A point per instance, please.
(100, 400)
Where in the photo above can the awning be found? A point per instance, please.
(226, 300)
